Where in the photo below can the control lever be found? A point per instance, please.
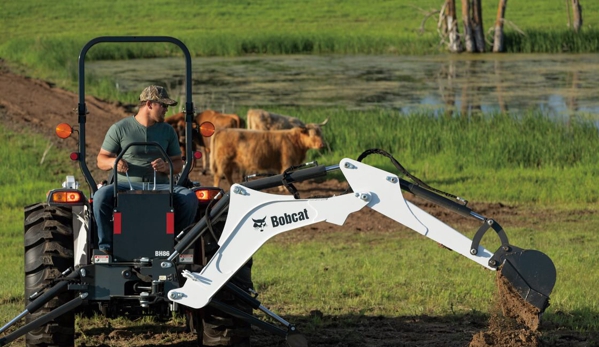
(129, 180)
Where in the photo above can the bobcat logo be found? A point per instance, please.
(259, 223)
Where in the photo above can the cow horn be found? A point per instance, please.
(325, 122)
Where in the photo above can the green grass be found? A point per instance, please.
(29, 167)
(30, 19)
(402, 273)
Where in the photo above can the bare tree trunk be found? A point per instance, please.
(455, 45)
(577, 12)
(477, 25)
(468, 36)
(498, 44)
(569, 14)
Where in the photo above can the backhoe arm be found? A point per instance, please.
(254, 217)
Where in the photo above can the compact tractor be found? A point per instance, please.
(156, 270)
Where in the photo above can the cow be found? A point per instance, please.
(264, 120)
(177, 121)
(220, 121)
(259, 151)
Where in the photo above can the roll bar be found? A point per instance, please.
(82, 109)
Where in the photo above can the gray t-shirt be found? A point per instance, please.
(127, 131)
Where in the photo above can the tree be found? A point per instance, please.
(468, 33)
(450, 26)
(577, 13)
(498, 40)
(474, 39)
(477, 25)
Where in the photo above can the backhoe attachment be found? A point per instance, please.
(254, 217)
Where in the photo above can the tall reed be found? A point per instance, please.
(552, 41)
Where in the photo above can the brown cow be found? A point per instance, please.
(256, 151)
(177, 121)
(220, 121)
(264, 120)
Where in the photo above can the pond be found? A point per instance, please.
(558, 84)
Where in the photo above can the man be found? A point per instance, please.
(142, 163)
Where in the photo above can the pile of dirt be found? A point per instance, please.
(513, 321)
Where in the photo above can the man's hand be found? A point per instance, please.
(122, 166)
(160, 165)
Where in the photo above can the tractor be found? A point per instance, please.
(158, 271)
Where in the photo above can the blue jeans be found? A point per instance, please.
(184, 201)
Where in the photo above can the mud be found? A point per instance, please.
(513, 321)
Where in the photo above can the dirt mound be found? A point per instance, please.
(513, 321)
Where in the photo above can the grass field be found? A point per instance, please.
(45, 38)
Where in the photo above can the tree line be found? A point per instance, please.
(473, 38)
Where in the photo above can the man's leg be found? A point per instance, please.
(103, 211)
(186, 206)
(103, 207)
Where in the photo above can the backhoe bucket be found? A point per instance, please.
(531, 273)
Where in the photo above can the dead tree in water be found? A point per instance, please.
(498, 40)
(474, 38)
(448, 26)
(468, 32)
(477, 25)
(577, 12)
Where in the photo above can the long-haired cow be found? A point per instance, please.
(256, 151)
(263, 120)
(220, 121)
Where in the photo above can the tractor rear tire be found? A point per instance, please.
(48, 252)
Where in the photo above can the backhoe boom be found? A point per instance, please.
(254, 217)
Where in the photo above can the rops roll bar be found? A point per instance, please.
(82, 109)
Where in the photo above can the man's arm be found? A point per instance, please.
(105, 161)
(160, 165)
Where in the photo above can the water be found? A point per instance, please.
(558, 84)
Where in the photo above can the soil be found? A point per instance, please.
(28, 104)
(513, 322)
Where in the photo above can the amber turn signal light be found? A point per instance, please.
(66, 196)
(206, 129)
(63, 130)
(205, 195)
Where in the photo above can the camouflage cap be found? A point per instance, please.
(158, 94)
